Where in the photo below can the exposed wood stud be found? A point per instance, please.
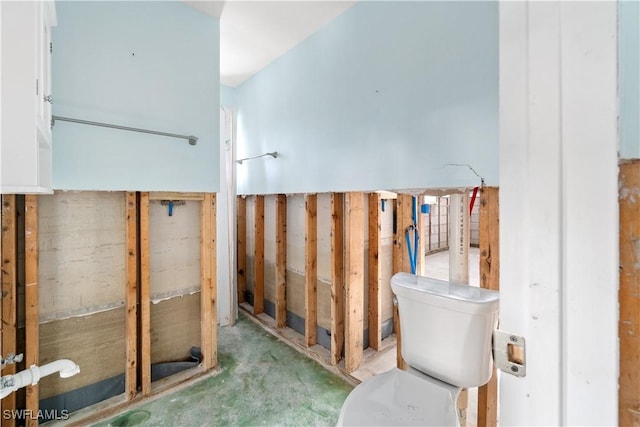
(131, 297)
(375, 272)
(397, 236)
(429, 230)
(439, 223)
(258, 257)
(281, 261)
(311, 269)
(337, 276)
(422, 248)
(489, 279)
(145, 297)
(208, 285)
(404, 220)
(401, 262)
(354, 282)
(32, 325)
(629, 297)
(9, 293)
(212, 357)
(242, 248)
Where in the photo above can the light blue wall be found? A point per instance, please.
(152, 65)
(383, 97)
(629, 61)
(227, 96)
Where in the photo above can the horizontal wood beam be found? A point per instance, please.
(163, 195)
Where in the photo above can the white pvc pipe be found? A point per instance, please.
(31, 376)
(459, 238)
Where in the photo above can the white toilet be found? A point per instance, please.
(446, 340)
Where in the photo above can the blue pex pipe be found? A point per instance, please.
(413, 254)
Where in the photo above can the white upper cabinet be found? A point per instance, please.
(25, 127)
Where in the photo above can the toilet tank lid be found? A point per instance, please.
(444, 289)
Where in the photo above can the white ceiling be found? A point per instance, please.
(254, 33)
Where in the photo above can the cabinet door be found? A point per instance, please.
(25, 136)
(44, 97)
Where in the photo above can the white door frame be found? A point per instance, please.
(558, 210)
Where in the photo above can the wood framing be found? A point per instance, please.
(401, 262)
(375, 272)
(423, 225)
(31, 295)
(629, 297)
(354, 282)
(163, 195)
(258, 257)
(311, 269)
(281, 261)
(337, 276)
(145, 298)
(489, 279)
(242, 247)
(9, 293)
(131, 296)
(397, 235)
(208, 282)
(404, 219)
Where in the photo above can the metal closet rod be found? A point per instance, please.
(273, 154)
(193, 140)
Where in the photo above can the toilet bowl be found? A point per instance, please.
(400, 398)
(446, 333)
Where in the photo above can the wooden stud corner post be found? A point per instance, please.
(337, 276)
(208, 282)
(131, 296)
(629, 298)
(354, 282)
(489, 279)
(311, 269)
(258, 257)
(31, 294)
(281, 261)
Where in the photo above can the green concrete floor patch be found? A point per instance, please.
(263, 382)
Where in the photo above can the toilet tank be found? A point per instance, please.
(446, 328)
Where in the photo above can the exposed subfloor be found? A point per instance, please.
(263, 382)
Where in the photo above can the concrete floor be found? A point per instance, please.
(263, 382)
